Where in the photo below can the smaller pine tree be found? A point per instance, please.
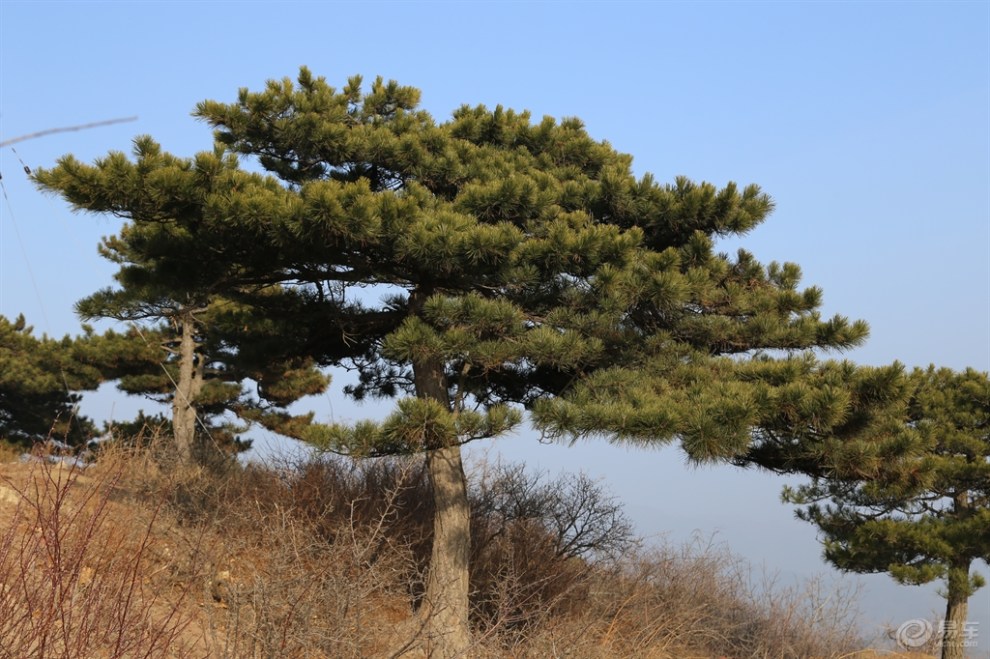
(193, 345)
(40, 381)
(900, 477)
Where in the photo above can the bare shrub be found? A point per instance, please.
(580, 517)
(302, 563)
(810, 618)
(535, 542)
(695, 600)
(325, 559)
(74, 576)
(293, 594)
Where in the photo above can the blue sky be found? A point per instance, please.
(868, 123)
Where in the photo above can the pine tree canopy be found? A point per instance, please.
(173, 283)
(910, 495)
(899, 465)
(39, 383)
(518, 256)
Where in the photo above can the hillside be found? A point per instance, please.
(129, 557)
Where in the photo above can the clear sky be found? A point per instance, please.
(868, 123)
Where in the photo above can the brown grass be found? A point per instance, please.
(77, 569)
(138, 557)
(9, 452)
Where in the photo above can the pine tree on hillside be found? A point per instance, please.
(899, 461)
(471, 268)
(189, 347)
(40, 381)
(908, 493)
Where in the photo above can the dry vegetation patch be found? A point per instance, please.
(80, 575)
(136, 557)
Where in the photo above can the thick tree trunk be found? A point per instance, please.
(187, 389)
(446, 600)
(956, 610)
(445, 604)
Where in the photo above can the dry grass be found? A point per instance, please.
(9, 452)
(139, 557)
(77, 570)
(695, 600)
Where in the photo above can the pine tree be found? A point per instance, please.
(900, 477)
(196, 348)
(472, 269)
(40, 381)
(899, 462)
(901, 484)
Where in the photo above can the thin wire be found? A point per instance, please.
(27, 170)
(65, 129)
(27, 261)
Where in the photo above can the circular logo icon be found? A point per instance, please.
(914, 633)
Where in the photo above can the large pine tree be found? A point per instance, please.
(471, 268)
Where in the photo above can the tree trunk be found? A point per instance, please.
(956, 610)
(445, 605)
(959, 589)
(446, 600)
(187, 389)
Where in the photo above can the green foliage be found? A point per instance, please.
(170, 281)
(39, 383)
(417, 424)
(519, 256)
(901, 479)
(469, 268)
